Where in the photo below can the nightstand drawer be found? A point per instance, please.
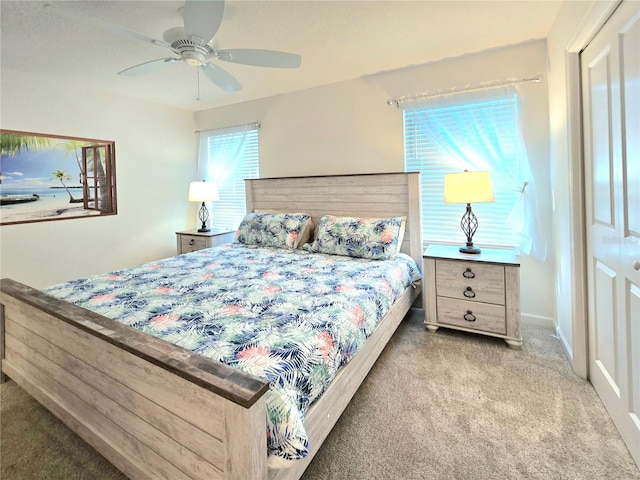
(192, 243)
(470, 281)
(478, 316)
(193, 240)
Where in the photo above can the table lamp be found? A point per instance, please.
(203, 192)
(468, 187)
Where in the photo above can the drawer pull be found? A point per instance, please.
(469, 316)
(192, 242)
(469, 293)
(468, 273)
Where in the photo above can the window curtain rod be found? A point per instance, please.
(454, 91)
(252, 124)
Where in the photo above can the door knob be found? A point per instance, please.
(636, 265)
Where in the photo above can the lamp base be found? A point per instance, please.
(469, 225)
(470, 249)
(203, 215)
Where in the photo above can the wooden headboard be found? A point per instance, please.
(375, 195)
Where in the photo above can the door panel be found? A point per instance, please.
(605, 328)
(630, 49)
(611, 96)
(599, 74)
(633, 295)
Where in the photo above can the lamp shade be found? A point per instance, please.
(468, 187)
(203, 192)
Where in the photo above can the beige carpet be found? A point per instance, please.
(436, 406)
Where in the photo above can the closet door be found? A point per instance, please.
(611, 100)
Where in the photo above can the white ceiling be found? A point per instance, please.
(338, 41)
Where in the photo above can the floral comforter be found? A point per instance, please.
(289, 316)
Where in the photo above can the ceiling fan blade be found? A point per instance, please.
(202, 19)
(221, 77)
(149, 67)
(261, 58)
(103, 25)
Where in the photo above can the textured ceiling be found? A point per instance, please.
(338, 40)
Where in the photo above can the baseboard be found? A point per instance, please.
(537, 320)
(565, 345)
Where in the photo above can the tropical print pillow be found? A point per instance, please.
(282, 230)
(373, 238)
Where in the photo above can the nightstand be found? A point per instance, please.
(192, 240)
(475, 293)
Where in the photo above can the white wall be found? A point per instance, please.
(573, 28)
(341, 128)
(348, 128)
(155, 160)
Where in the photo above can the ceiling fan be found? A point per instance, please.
(193, 44)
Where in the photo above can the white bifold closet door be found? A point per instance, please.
(611, 100)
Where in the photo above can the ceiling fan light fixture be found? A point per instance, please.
(192, 52)
(193, 58)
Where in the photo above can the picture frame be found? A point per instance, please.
(51, 177)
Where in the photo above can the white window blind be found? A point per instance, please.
(229, 156)
(454, 136)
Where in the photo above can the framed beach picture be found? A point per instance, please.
(49, 177)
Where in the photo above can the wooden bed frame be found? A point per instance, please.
(157, 411)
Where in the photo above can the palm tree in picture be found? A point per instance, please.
(62, 176)
(12, 144)
(72, 146)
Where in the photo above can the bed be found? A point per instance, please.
(171, 413)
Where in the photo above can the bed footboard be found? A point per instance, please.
(154, 410)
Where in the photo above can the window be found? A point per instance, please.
(228, 157)
(473, 132)
(99, 180)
